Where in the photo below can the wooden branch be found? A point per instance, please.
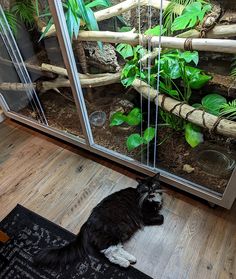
(124, 7)
(216, 45)
(32, 68)
(87, 80)
(196, 116)
(219, 31)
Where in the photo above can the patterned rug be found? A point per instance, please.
(30, 232)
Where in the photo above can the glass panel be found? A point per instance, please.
(49, 98)
(124, 116)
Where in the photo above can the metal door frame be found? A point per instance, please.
(226, 200)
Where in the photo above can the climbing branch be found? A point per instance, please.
(221, 126)
(124, 7)
(219, 31)
(216, 45)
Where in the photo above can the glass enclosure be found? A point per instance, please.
(154, 89)
(29, 68)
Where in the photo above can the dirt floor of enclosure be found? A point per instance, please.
(174, 155)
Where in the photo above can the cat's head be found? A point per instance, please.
(150, 188)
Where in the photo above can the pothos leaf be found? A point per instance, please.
(117, 119)
(134, 118)
(212, 103)
(190, 16)
(193, 135)
(149, 134)
(134, 141)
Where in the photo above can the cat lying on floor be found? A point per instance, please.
(112, 222)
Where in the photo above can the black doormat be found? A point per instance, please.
(30, 232)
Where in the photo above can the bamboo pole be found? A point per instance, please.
(86, 81)
(219, 31)
(122, 8)
(203, 119)
(200, 44)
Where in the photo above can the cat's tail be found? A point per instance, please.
(57, 257)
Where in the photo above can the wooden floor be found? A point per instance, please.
(63, 184)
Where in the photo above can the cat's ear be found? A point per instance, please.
(156, 176)
(139, 180)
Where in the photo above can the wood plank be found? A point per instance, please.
(56, 181)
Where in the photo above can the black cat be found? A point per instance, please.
(112, 222)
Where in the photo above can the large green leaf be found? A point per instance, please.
(190, 16)
(212, 103)
(193, 135)
(134, 141)
(49, 25)
(134, 117)
(117, 119)
(125, 50)
(196, 78)
(155, 31)
(149, 134)
(190, 56)
(97, 3)
(171, 67)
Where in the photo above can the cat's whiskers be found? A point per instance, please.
(142, 199)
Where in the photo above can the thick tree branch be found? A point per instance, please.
(224, 127)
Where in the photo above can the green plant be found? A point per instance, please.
(193, 134)
(228, 110)
(78, 13)
(212, 103)
(133, 118)
(175, 122)
(25, 11)
(176, 73)
(135, 140)
(170, 14)
(191, 16)
(131, 69)
(12, 21)
(155, 31)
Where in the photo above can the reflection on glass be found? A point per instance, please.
(33, 69)
(158, 134)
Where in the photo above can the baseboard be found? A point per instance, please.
(2, 116)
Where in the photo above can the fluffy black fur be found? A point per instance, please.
(114, 220)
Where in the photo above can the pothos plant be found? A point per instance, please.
(133, 118)
(179, 76)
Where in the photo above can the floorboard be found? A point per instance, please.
(63, 183)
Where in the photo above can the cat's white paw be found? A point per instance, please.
(115, 254)
(124, 254)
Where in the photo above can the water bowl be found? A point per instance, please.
(215, 162)
(97, 118)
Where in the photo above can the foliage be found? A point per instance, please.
(133, 118)
(25, 11)
(174, 66)
(78, 13)
(212, 103)
(228, 110)
(193, 134)
(135, 140)
(169, 14)
(131, 69)
(12, 21)
(175, 122)
(155, 31)
(191, 15)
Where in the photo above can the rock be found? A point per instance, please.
(122, 105)
(106, 57)
(188, 168)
